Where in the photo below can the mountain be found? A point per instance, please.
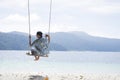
(82, 41)
(19, 41)
(13, 41)
(61, 41)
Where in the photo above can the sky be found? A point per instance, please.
(95, 17)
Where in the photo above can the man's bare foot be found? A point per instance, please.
(46, 55)
(28, 53)
(36, 58)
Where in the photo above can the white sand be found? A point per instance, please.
(58, 76)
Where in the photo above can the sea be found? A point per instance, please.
(60, 62)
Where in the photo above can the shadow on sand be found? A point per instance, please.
(36, 77)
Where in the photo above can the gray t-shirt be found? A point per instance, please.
(40, 46)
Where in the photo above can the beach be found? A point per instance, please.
(58, 76)
(16, 65)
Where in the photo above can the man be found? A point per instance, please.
(39, 47)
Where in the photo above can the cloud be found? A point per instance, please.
(67, 15)
(105, 8)
(15, 18)
(18, 22)
(22, 3)
(13, 3)
(93, 6)
(60, 6)
(18, 19)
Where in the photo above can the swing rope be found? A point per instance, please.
(50, 11)
(29, 20)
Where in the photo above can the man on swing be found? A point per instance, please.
(39, 47)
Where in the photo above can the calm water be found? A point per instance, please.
(68, 62)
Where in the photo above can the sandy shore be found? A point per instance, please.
(57, 76)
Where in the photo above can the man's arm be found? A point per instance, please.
(30, 42)
(34, 42)
(48, 37)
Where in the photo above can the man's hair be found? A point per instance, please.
(39, 33)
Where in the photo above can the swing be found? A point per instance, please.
(45, 49)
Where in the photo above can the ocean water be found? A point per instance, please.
(61, 62)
